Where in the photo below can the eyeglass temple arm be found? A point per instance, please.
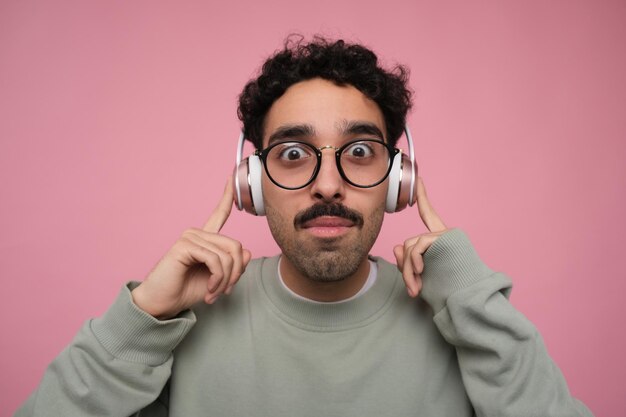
(409, 139)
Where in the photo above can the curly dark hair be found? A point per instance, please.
(337, 61)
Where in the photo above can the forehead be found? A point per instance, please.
(323, 105)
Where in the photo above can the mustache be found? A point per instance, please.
(333, 209)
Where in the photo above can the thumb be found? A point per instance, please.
(247, 255)
(398, 251)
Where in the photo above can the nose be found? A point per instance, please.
(328, 186)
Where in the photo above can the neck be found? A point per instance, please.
(323, 291)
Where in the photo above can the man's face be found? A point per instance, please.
(326, 229)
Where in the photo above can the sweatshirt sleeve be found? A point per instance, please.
(115, 366)
(504, 364)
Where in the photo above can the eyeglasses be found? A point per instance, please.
(292, 165)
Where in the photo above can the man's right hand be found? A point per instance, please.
(201, 265)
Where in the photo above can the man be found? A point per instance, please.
(322, 329)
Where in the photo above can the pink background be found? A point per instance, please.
(118, 130)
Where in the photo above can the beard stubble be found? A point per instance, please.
(325, 259)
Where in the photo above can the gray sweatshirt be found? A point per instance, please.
(460, 349)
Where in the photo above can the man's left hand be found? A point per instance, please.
(409, 256)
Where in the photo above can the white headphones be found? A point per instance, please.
(249, 191)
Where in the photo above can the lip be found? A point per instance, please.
(328, 226)
(328, 221)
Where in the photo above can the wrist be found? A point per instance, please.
(450, 264)
(142, 300)
(129, 333)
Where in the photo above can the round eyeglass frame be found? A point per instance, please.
(392, 152)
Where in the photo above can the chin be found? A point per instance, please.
(326, 258)
(326, 266)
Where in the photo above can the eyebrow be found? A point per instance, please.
(291, 132)
(358, 127)
(345, 127)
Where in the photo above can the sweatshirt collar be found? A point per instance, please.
(314, 316)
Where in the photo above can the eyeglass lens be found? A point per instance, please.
(292, 164)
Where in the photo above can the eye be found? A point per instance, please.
(359, 150)
(293, 152)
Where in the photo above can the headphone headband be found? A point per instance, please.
(237, 162)
(409, 139)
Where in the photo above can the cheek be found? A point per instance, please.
(281, 202)
(271, 193)
(267, 189)
(375, 213)
(373, 200)
(276, 211)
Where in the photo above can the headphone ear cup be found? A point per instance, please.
(256, 186)
(401, 181)
(247, 186)
(395, 175)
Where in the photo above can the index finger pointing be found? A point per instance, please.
(222, 211)
(430, 218)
